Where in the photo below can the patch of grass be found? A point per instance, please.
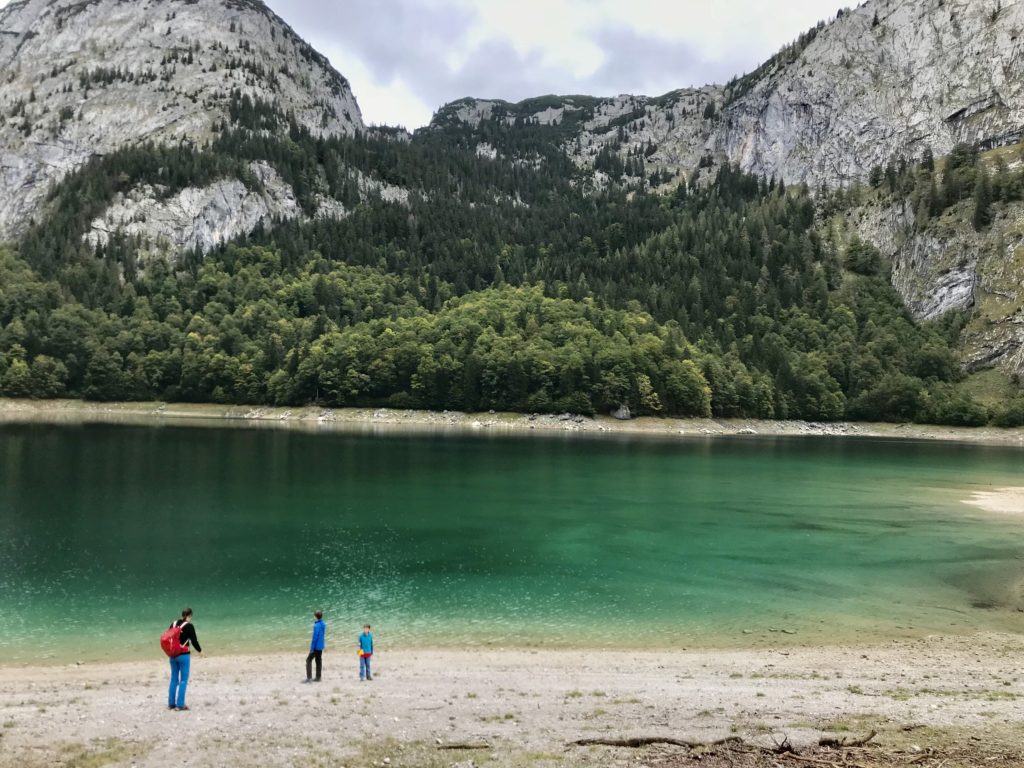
(856, 689)
(508, 716)
(1010, 154)
(898, 694)
(999, 696)
(471, 695)
(419, 754)
(542, 758)
(574, 695)
(97, 754)
(904, 694)
(990, 388)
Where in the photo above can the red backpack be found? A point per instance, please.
(170, 641)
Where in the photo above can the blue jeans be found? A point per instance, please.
(364, 667)
(179, 679)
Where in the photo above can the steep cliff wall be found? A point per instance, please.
(85, 77)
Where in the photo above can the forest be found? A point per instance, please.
(519, 282)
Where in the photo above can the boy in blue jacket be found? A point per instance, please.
(365, 653)
(316, 648)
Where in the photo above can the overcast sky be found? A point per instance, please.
(406, 58)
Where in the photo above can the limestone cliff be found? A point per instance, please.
(888, 79)
(84, 77)
(947, 266)
(884, 81)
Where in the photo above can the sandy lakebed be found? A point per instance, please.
(936, 701)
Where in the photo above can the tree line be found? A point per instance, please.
(510, 282)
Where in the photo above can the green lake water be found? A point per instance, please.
(107, 531)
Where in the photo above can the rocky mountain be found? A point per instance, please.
(81, 78)
(886, 80)
(206, 131)
(882, 84)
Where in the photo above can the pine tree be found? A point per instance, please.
(982, 200)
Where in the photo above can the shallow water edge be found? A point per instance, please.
(392, 421)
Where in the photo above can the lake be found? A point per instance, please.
(106, 532)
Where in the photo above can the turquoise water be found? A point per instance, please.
(107, 531)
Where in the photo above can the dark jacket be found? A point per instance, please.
(188, 635)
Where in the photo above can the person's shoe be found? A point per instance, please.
(316, 680)
(369, 677)
(186, 708)
(171, 706)
(308, 680)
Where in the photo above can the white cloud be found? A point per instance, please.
(513, 49)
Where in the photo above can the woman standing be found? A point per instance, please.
(181, 662)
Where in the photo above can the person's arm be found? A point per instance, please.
(188, 637)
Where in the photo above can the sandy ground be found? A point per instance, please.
(383, 420)
(929, 700)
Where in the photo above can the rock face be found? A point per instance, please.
(80, 78)
(947, 266)
(196, 218)
(884, 81)
(671, 130)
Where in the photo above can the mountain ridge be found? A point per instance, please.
(84, 78)
(845, 96)
(254, 242)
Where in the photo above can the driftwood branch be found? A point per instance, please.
(476, 745)
(643, 741)
(829, 741)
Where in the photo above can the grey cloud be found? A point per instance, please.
(410, 39)
(637, 63)
(394, 38)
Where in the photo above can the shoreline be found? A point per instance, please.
(525, 706)
(392, 421)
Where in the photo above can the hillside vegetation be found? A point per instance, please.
(513, 282)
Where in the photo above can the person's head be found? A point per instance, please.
(186, 613)
(318, 614)
(366, 629)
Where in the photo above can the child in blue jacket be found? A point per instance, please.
(316, 648)
(365, 653)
